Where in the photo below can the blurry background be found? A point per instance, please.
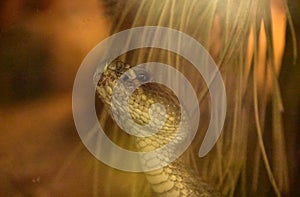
(42, 44)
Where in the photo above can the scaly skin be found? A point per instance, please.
(177, 178)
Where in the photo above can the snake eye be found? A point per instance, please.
(142, 76)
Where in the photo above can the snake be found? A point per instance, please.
(176, 178)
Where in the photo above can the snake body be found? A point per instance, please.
(176, 178)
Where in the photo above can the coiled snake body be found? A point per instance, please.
(177, 178)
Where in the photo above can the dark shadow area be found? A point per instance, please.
(290, 84)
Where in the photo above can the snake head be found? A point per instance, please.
(113, 73)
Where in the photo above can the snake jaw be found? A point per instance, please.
(109, 78)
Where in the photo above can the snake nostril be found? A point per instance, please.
(119, 66)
